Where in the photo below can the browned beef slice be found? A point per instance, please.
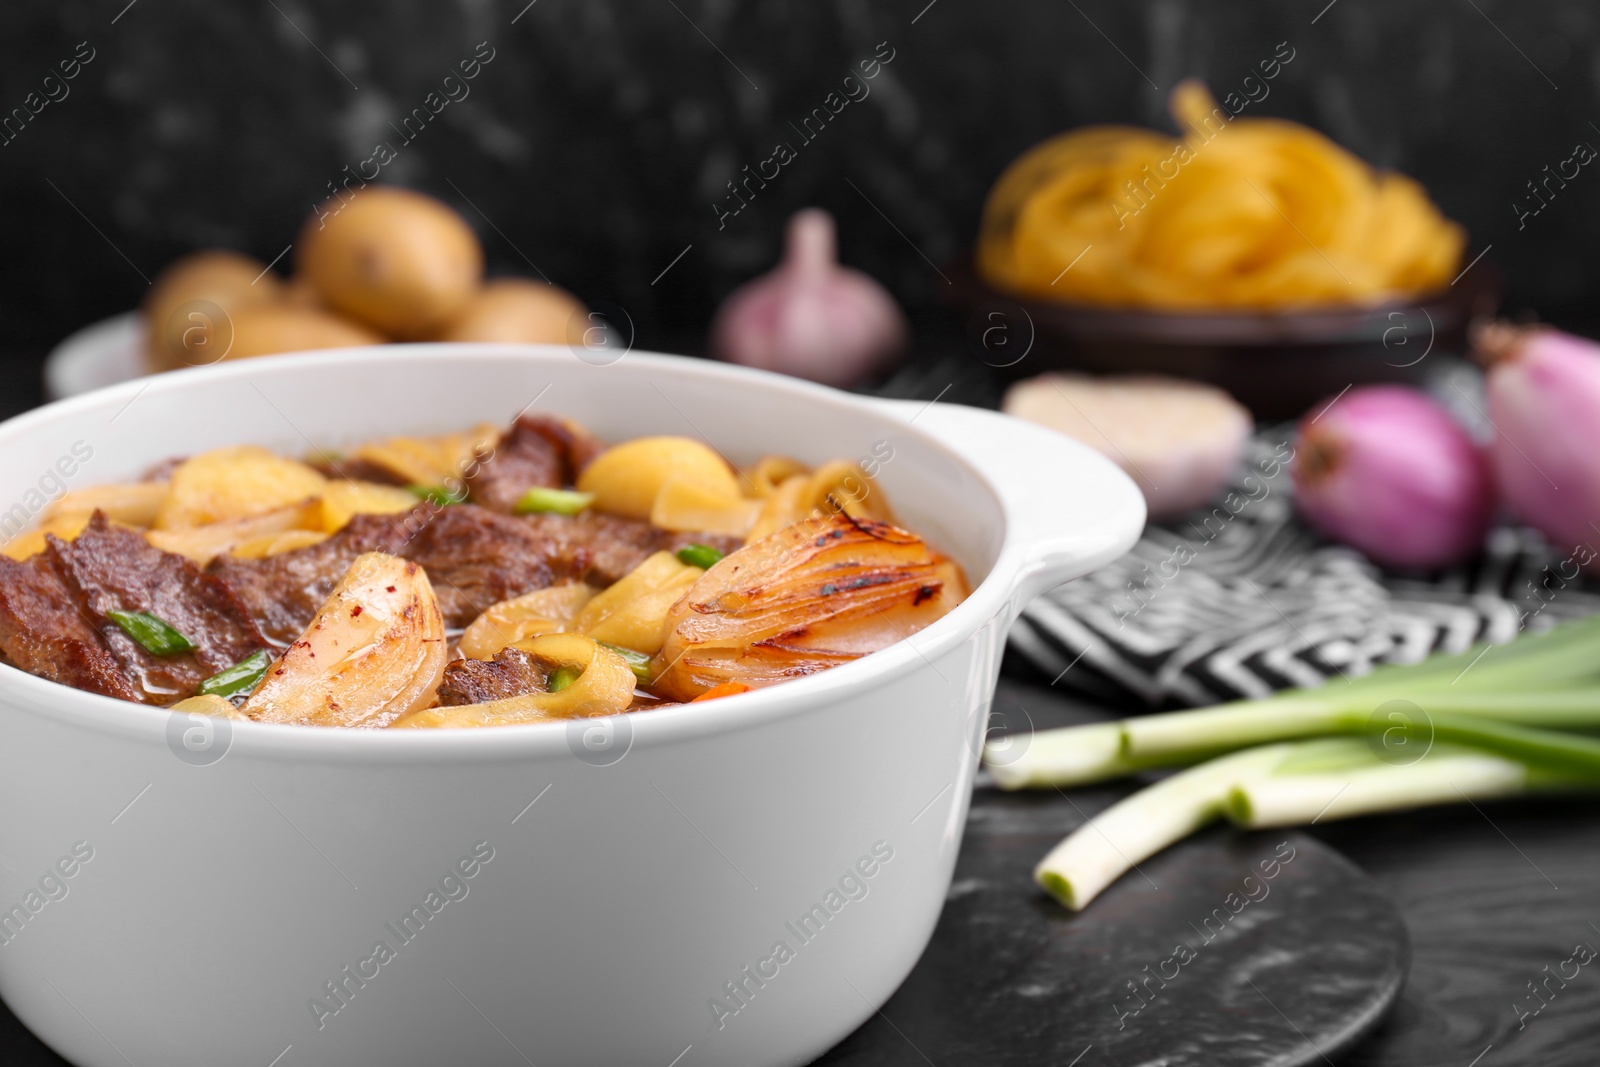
(283, 592)
(44, 631)
(511, 673)
(618, 545)
(113, 569)
(475, 558)
(162, 471)
(360, 470)
(536, 451)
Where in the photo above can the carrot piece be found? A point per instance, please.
(726, 689)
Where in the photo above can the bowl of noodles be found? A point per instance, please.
(1254, 253)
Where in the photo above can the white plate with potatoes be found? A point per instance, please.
(379, 264)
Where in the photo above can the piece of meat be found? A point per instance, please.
(476, 558)
(109, 568)
(284, 592)
(354, 469)
(617, 545)
(162, 472)
(44, 631)
(511, 673)
(536, 451)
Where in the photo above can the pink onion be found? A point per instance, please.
(1386, 470)
(1544, 400)
(811, 317)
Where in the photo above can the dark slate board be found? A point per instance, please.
(1294, 977)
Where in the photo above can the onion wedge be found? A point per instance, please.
(807, 597)
(374, 651)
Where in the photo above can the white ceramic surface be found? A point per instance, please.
(639, 864)
(105, 353)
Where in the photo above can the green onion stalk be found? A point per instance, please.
(1495, 721)
(1550, 680)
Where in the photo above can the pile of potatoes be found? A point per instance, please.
(383, 264)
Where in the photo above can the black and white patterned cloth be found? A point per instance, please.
(1242, 600)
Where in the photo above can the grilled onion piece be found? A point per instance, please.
(810, 596)
(604, 686)
(543, 611)
(374, 651)
(203, 543)
(135, 504)
(214, 706)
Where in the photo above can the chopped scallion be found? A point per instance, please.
(239, 678)
(702, 556)
(540, 500)
(638, 662)
(437, 495)
(158, 636)
(562, 677)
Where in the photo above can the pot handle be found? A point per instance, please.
(1068, 509)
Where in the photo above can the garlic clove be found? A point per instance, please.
(1178, 440)
(810, 317)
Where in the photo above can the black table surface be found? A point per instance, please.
(1496, 899)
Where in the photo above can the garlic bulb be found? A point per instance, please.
(810, 317)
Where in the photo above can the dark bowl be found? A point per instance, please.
(1276, 364)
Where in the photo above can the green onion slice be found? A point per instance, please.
(158, 636)
(239, 678)
(437, 495)
(638, 662)
(562, 677)
(540, 500)
(702, 556)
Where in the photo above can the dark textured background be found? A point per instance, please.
(598, 138)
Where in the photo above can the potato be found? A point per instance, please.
(32, 542)
(134, 504)
(374, 651)
(205, 542)
(344, 499)
(230, 483)
(228, 280)
(398, 261)
(270, 329)
(633, 612)
(519, 310)
(683, 504)
(441, 461)
(544, 611)
(626, 478)
(299, 292)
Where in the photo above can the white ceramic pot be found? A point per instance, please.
(741, 882)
